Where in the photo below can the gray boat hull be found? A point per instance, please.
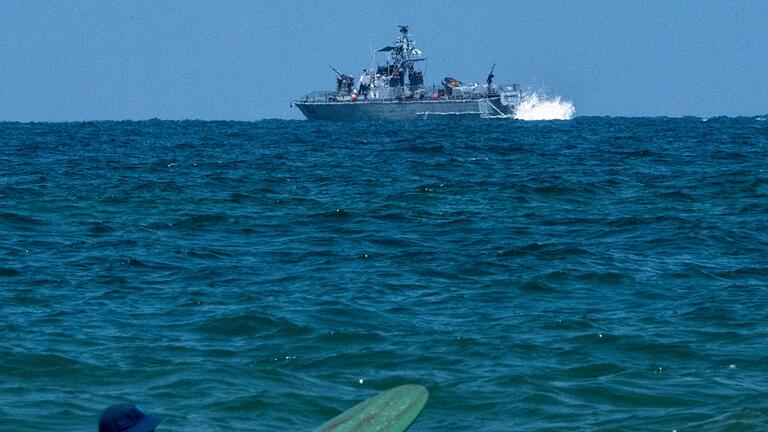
(396, 110)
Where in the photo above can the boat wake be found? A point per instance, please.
(539, 107)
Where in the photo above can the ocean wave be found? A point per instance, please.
(525, 272)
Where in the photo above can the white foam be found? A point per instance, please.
(539, 107)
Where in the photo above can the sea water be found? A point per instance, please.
(591, 274)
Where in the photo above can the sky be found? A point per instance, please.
(246, 60)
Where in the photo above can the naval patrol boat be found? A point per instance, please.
(396, 91)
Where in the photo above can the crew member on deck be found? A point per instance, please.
(365, 83)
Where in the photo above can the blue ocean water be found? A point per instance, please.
(592, 274)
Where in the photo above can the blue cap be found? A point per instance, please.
(127, 418)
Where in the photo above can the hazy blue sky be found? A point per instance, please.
(77, 60)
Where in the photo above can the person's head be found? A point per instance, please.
(127, 418)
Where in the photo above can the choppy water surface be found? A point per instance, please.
(593, 274)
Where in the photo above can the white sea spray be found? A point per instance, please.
(536, 106)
